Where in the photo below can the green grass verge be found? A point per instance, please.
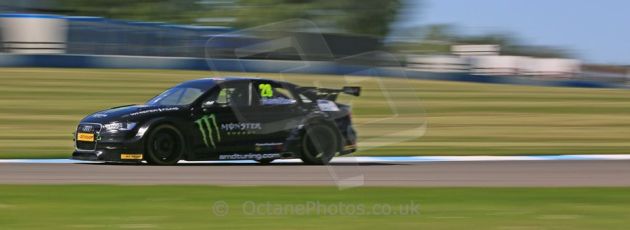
(41, 107)
(191, 207)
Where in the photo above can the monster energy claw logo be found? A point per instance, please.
(208, 127)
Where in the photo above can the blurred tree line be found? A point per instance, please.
(367, 17)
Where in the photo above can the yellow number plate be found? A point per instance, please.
(85, 137)
(130, 156)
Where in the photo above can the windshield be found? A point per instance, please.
(183, 94)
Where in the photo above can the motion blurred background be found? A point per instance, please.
(451, 45)
(166, 28)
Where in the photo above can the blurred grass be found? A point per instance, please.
(191, 207)
(39, 108)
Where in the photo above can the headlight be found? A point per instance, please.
(120, 126)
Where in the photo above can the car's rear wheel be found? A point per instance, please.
(319, 145)
(164, 146)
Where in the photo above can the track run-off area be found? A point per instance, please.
(415, 171)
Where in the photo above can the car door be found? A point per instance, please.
(220, 120)
(277, 109)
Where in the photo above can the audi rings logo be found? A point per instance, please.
(87, 128)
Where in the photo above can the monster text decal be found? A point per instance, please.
(212, 135)
(241, 128)
(208, 127)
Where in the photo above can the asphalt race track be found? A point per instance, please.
(558, 173)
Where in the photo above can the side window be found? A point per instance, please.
(234, 95)
(269, 94)
(224, 96)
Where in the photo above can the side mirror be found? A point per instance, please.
(208, 104)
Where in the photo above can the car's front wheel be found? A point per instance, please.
(164, 146)
(319, 145)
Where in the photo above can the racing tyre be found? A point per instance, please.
(164, 146)
(319, 145)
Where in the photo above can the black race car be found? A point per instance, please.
(222, 119)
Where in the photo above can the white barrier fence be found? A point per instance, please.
(33, 34)
(496, 65)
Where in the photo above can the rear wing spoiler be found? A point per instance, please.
(330, 94)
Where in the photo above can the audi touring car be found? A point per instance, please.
(222, 119)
